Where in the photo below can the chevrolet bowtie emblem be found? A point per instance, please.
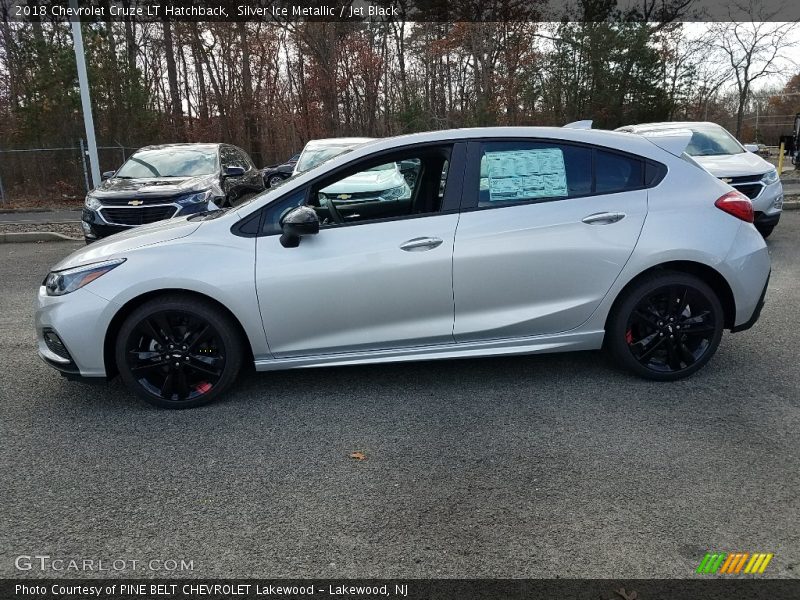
(344, 196)
(136, 202)
(726, 179)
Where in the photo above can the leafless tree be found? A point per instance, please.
(752, 50)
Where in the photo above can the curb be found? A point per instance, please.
(35, 236)
(8, 211)
(791, 205)
(23, 223)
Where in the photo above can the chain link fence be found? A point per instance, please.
(44, 176)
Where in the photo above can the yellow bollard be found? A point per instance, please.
(780, 160)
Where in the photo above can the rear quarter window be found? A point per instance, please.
(617, 172)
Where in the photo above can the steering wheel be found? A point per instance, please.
(332, 210)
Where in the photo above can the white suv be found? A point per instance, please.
(719, 153)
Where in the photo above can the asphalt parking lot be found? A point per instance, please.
(547, 466)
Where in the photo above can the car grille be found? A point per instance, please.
(139, 201)
(356, 196)
(749, 185)
(751, 190)
(137, 216)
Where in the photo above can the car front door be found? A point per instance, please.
(546, 230)
(364, 283)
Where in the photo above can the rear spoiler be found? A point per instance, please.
(579, 125)
(673, 141)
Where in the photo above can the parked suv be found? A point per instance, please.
(161, 182)
(723, 156)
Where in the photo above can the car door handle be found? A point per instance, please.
(420, 244)
(605, 218)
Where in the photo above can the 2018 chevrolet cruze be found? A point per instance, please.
(513, 241)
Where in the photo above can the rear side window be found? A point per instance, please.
(515, 172)
(617, 172)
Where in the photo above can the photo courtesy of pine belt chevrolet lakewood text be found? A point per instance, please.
(447, 244)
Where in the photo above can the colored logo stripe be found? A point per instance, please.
(733, 563)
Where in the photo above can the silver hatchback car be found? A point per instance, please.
(513, 241)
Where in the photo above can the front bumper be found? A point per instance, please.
(766, 220)
(79, 320)
(770, 201)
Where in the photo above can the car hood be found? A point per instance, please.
(118, 244)
(157, 186)
(366, 181)
(734, 165)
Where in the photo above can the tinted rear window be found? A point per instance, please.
(617, 172)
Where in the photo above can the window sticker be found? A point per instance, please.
(516, 175)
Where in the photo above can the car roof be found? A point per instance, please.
(589, 136)
(351, 141)
(204, 146)
(667, 125)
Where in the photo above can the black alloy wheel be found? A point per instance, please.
(667, 327)
(178, 352)
(274, 180)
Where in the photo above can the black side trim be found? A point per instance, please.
(756, 312)
(249, 226)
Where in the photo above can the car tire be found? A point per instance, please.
(765, 230)
(274, 180)
(651, 336)
(179, 351)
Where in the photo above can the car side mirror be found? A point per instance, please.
(751, 147)
(233, 172)
(297, 223)
(107, 175)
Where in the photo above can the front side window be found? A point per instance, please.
(243, 159)
(276, 210)
(407, 185)
(170, 162)
(513, 172)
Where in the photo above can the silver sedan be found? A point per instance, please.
(512, 241)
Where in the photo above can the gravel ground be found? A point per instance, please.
(69, 229)
(546, 466)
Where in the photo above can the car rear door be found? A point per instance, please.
(545, 230)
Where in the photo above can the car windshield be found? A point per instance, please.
(711, 141)
(170, 162)
(316, 156)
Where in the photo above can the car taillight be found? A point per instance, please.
(736, 204)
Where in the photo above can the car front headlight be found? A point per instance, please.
(393, 193)
(92, 203)
(770, 177)
(63, 282)
(194, 198)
